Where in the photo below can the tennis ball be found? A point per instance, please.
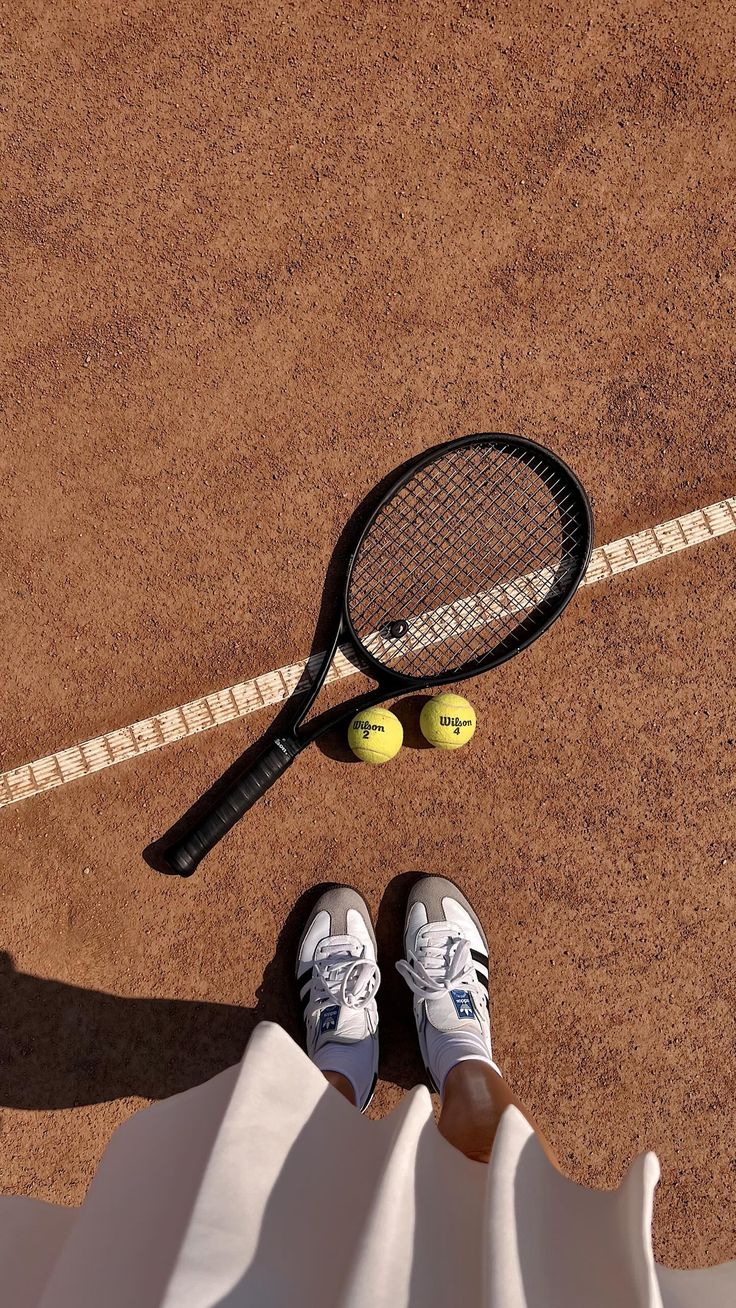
(447, 721)
(375, 735)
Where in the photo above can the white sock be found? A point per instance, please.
(445, 1049)
(353, 1059)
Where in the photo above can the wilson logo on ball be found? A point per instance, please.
(367, 727)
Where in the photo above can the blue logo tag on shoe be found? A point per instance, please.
(464, 1006)
(328, 1019)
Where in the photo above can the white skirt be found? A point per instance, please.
(265, 1187)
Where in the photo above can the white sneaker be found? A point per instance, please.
(338, 978)
(446, 968)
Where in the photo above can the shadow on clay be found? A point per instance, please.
(63, 1046)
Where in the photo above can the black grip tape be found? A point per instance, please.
(185, 856)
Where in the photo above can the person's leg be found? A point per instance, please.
(446, 968)
(337, 978)
(475, 1095)
(342, 1084)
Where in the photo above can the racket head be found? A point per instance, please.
(471, 554)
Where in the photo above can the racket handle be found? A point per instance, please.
(185, 856)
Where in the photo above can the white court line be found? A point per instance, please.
(272, 687)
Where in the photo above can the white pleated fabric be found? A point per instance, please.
(265, 1187)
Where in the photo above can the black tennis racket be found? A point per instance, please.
(472, 553)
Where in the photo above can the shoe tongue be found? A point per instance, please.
(452, 1011)
(338, 1022)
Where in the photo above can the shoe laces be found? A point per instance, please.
(441, 961)
(342, 975)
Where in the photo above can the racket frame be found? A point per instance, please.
(391, 684)
(474, 667)
(280, 752)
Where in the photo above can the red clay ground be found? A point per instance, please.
(254, 256)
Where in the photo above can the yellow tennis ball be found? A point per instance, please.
(375, 735)
(447, 721)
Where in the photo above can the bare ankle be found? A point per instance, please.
(342, 1084)
(474, 1096)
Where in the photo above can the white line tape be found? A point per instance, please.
(246, 697)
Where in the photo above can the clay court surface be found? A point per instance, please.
(253, 258)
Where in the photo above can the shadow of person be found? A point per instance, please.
(62, 1046)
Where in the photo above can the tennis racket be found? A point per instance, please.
(475, 549)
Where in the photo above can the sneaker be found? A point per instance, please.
(338, 978)
(446, 968)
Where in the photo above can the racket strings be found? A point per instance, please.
(469, 531)
(398, 537)
(468, 554)
(458, 540)
(423, 504)
(461, 522)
